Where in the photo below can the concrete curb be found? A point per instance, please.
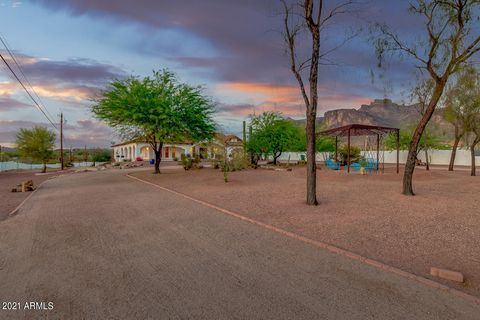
(322, 245)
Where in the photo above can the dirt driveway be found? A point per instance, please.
(438, 227)
(102, 246)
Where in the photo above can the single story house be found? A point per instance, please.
(140, 149)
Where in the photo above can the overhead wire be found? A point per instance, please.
(36, 104)
(12, 55)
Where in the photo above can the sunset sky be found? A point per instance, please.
(70, 49)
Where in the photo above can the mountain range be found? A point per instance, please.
(385, 113)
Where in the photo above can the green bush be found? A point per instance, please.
(239, 161)
(102, 155)
(355, 154)
(186, 162)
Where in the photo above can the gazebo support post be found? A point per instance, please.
(378, 151)
(398, 151)
(336, 149)
(348, 152)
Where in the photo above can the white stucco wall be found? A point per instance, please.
(438, 157)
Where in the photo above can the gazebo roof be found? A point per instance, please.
(357, 130)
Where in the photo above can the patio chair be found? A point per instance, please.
(332, 165)
(371, 165)
(354, 166)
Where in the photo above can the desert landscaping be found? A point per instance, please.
(365, 214)
(275, 159)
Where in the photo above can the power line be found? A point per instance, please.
(28, 92)
(12, 55)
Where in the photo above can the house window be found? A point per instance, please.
(174, 151)
(166, 152)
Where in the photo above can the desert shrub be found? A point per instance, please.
(186, 162)
(355, 154)
(239, 161)
(102, 155)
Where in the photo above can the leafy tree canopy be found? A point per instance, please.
(272, 135)
(159, 109)
(36, 143)
(427, 141)
(463, 98)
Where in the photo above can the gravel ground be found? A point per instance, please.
(98, 245)
(368, 215)
(8, 180)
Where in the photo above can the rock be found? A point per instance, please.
(25, 186)
(447, 274)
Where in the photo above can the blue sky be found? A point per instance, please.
(70, 49)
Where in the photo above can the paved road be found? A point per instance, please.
(102, 246)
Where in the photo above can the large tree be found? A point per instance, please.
(421, 95)
(451, 39)
(313, 17)
(474, 128)
(472, 116)
(461, 101)
(428, 141)
(159, 109)
(272, 135)
(36, 143)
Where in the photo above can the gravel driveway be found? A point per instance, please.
(102, 246)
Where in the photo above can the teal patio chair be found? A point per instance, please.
(371, 165)
(354, 166)
(332, 165)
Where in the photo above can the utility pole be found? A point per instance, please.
(61, 140)
(244, 135)
(85, 155)
(250, 133)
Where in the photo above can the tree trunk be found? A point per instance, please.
(472, 152)
(426, 159)
(454, 152)
(412, 151)
(311, 163)
(44, 169)
(158, 157)
(275, 157)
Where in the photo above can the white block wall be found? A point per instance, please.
(438, 157)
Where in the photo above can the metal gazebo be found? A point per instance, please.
(353, 130)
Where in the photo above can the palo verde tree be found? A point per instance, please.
(472, 116)
(272, 135)
(460, 106)
(428, 141)
(421, 95)
(474, 129)
(36, 143)
(313, 18)
(451, 39)
(159, 109)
